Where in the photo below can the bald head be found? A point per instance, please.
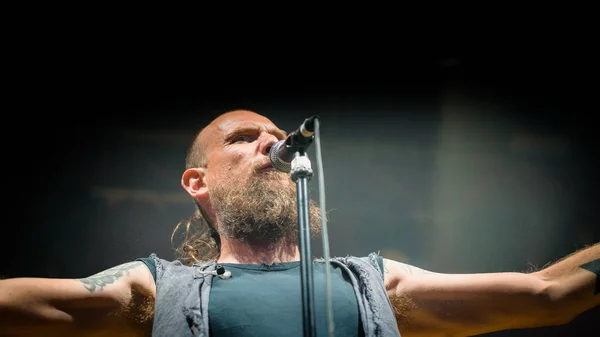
(220, 127)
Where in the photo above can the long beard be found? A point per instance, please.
(261, 210)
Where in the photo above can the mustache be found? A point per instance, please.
(263, 165)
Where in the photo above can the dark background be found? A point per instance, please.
(455, 163)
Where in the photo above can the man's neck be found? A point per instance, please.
(257, 252)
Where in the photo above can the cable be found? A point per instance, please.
(325, 236)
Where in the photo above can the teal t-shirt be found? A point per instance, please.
(265, 300)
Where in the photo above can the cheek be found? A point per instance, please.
(231, 161)
(236, 160)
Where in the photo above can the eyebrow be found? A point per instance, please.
(245, 128)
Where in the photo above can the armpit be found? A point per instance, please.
(403, 307)
(139, 313)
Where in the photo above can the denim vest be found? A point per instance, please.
(182, 295)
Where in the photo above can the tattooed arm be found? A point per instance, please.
(117, 301)
(435, 304)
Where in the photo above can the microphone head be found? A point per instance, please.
(309, 123)
(222, 272)
(226, 275)
(275, 157)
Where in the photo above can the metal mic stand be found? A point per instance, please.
(301, 172)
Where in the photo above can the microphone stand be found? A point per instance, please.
(301, 172)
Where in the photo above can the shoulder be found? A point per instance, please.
(402, 268)
(174, 271)
(371, 263)
(395, 272)
(157, 265)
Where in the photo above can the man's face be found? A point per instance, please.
(251, 200)
(238, 144)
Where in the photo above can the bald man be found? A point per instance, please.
(239, 274)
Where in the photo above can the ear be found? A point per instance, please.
(194, 182)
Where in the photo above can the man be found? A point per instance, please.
(247, 218)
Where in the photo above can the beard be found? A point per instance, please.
(262, 209)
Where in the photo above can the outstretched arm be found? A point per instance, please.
(117, 300)
(436, 304)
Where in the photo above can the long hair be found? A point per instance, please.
(199, 240)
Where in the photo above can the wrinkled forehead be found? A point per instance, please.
(234, 126)
(240, 121)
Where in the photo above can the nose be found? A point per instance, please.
(267, 142)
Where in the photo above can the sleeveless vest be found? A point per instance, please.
(182, 296)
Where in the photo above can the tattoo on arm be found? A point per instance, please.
(594, 267)
(98, 281)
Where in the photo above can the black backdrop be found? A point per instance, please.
(455, 164)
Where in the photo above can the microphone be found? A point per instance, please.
(282, 152)
(219, 271)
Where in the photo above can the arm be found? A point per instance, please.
(436, 304)
(117, 300)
